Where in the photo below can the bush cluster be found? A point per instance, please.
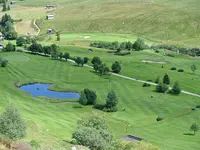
(188, 51)
(139, 44)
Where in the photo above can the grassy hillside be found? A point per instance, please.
(53, 122)
(163, 20)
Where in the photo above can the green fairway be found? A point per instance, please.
(58, 120)
(17, 58)
(133, 66)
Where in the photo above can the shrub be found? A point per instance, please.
(173, 68)
(198, 106)
(122, 53)
(113, 109)
(157, 51)
(146, 84)
(34, 144)
(12, 126)
(157, 80)
(159, 119)
(180, 70)
(170, 55)
(99, 106)
(3, 62)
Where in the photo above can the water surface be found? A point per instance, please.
(42, 90)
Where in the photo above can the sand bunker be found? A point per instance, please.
(153, 62)
(85, 37)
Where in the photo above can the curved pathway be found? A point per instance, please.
(38, 32)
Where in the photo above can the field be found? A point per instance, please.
(168, 21)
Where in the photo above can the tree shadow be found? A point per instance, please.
(191, 134)
(107, 76)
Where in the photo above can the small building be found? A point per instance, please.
(50, 31)
(50, 6)
(12, 2)
(1, 37)
(49, 17)
(1, 46)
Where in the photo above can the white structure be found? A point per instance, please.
(48, 17)
(50, 6)
(1, 46)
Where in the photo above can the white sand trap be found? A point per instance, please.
(153, 62)
(85, 37)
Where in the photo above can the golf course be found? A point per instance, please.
(51, 121)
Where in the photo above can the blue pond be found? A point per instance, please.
(42, 90)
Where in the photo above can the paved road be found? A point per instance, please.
(121, 76)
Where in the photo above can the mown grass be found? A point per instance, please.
(53, 122)
(133, 66)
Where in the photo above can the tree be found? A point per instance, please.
(4, 5)
(92, 132)
(111, 100)
(116, 67)
(8, 8)
(166, 79)
(194, 127)
(96, 67)
(21, 41)
(54, 55)
(60, 55)
(91, 96)
(46, 49)
(139, 45)
(58, 36)
(35, 47)
(176, 90)
(96, 60)
(193, 68)
(103, 69)
(85, 60)
(66, 56)
(83, 100)
(12, 126)
(78, 60)
(9, 47)
(128, 45)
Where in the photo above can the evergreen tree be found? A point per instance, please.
(83, 100)
(111, 100)
(166, 79)
(176, 89)
(8, 7)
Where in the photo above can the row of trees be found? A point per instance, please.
(6, 27)
(139, 44)
(188, 51)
